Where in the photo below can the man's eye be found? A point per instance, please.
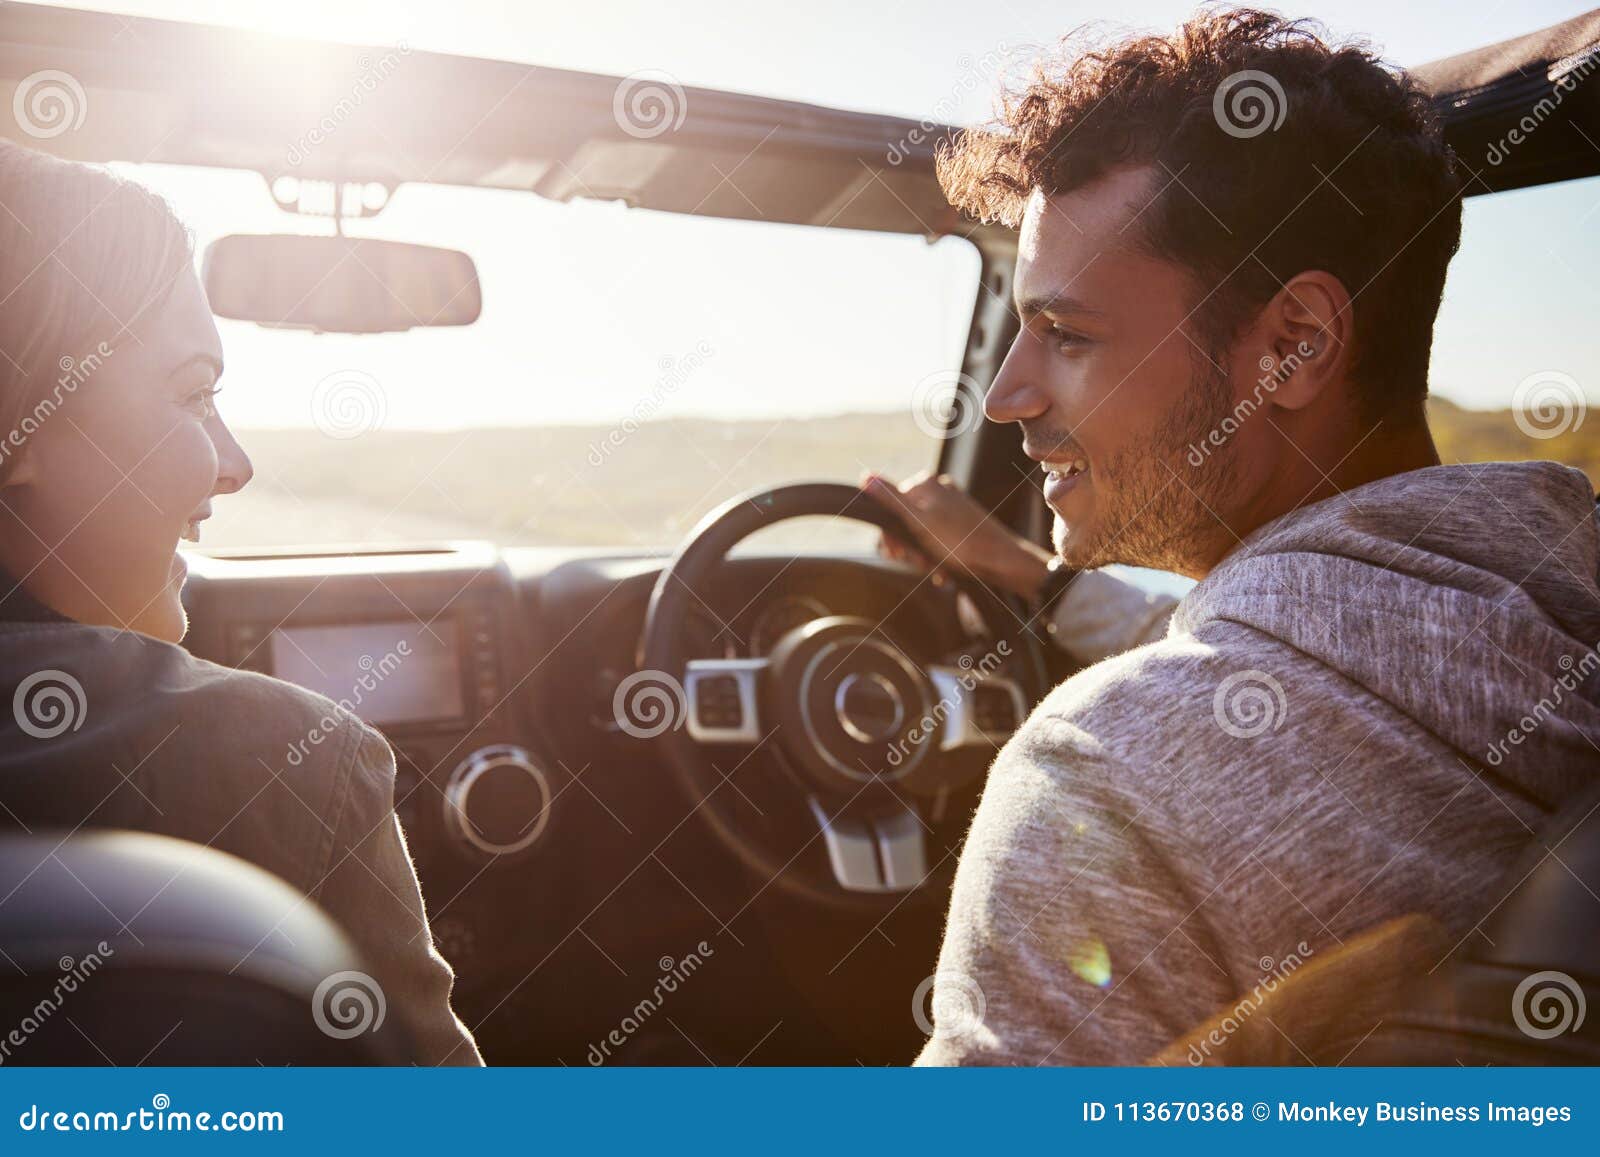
(1067, 340)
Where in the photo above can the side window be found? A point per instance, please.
(1516, 354)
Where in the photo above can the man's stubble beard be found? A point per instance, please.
(1153, 507)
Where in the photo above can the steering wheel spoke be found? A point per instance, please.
(723, 699)
(977, 709)
(878, 853)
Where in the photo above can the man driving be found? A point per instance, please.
(1232, 247)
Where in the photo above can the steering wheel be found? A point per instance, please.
(865, 735)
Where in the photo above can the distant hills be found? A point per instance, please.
(1493, 436)
(577, 485)
(644, 486)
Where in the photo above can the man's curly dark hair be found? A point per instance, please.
(1274, 153)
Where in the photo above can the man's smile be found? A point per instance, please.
(1063, 465)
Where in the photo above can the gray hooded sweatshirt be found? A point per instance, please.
(1363, 712)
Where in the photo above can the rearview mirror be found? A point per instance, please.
(339, 284)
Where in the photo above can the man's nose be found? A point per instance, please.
(1013, 395)
(234, 469)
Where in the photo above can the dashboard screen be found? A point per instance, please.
(386, 672)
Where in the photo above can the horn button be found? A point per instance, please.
(851, 708)
(869, 706)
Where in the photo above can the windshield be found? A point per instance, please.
(630, 371)
(633, 370)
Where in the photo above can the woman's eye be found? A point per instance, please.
(203, 402)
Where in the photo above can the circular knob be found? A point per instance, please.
(497, 800)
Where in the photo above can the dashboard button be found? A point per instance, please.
(718, 702)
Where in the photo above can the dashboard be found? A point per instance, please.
(527, 809)
(422, 645)
(709, 636)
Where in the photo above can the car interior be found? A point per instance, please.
(612, 756)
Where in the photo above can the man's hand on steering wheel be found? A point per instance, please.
(954, 531)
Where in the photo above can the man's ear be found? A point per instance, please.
(1303, 335)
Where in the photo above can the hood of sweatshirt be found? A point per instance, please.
(1467, 596)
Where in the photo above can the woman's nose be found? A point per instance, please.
(234, 470)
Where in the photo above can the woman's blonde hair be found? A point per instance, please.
(85, 257)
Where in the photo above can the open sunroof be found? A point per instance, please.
(1523, 112)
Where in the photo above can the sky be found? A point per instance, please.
(785, 320)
